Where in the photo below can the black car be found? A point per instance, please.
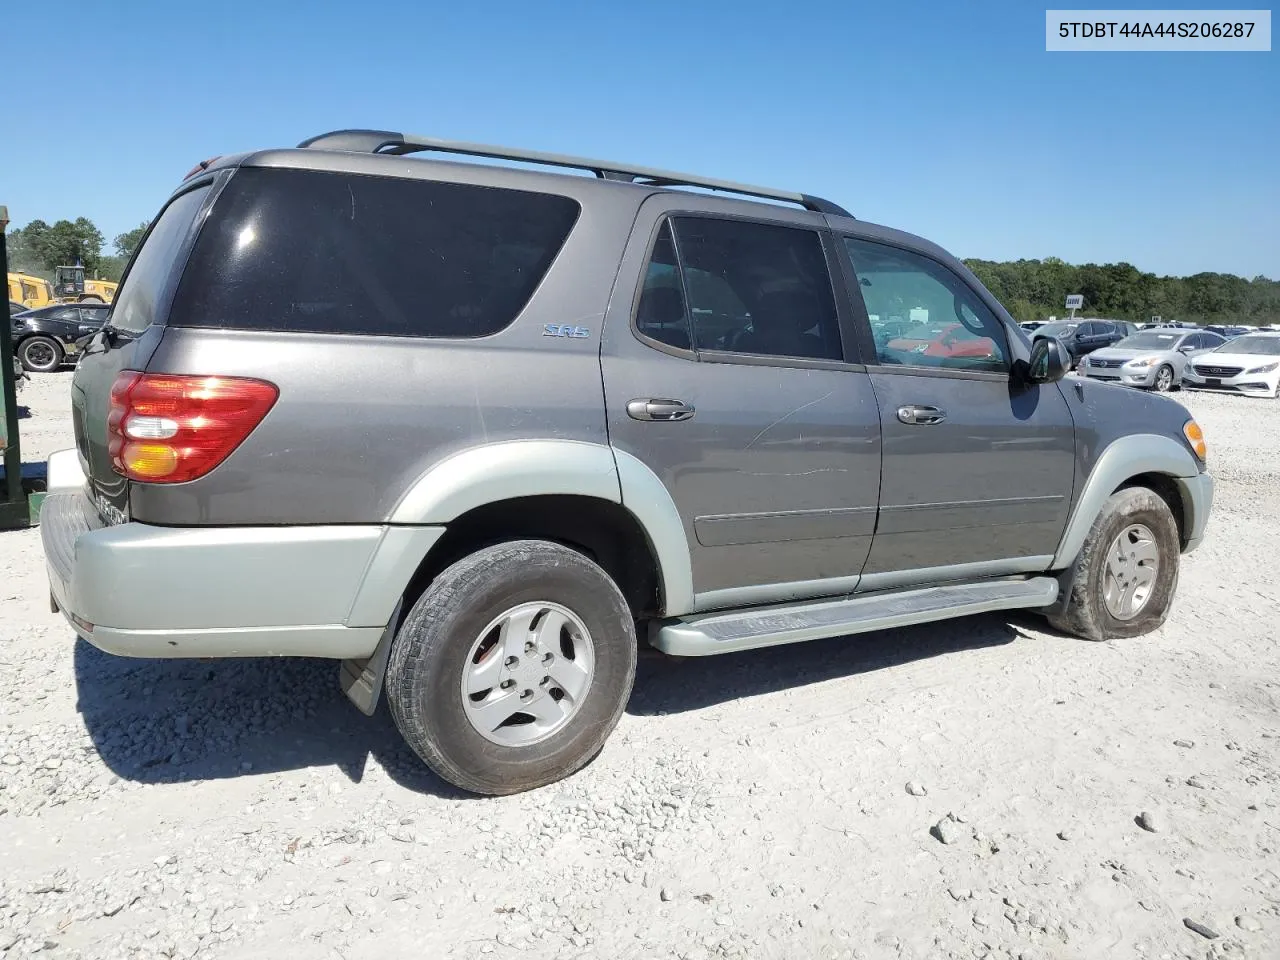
(16, 308)
(43, 338)
(1081, 337)
(1227, 331)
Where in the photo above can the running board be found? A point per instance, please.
(703, 634)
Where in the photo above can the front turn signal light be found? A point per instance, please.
(1195, 436)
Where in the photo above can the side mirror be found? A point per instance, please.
(1048, 363)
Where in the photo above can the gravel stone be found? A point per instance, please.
(1203, 929)
(916, 789)
(1247, 922)
(1152, 822)
(950, 831)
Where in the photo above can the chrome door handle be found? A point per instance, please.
(916, 414)
(659, 410)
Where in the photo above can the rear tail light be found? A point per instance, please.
(164, 428)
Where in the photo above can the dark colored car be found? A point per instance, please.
(1082, 337)
(44, 338)
(16, 308)
(1227, 331)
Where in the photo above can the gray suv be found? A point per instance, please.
(475, 431)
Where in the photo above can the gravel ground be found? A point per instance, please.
(982, 788)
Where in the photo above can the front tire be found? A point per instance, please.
(1163, 381)
(513, 667)
(40, 354)
(1123, 581)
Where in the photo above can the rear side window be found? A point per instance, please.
(758, 288)
(300, 250)
(661, 313)
(137, 299)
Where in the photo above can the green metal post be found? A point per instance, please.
(13, 503)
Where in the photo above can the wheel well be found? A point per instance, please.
(31, 335)
(1166, 488)
(606, 532)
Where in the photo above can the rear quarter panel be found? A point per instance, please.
(359, 419)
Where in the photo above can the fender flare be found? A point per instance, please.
(1123, 459)
(510, 469)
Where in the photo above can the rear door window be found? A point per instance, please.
(312, 251)
(758, 288)
(661, 313)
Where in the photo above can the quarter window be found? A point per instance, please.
(137, 302)
(922, 314)
(323, 252)
(661, 313)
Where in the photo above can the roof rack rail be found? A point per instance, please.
(400, 144)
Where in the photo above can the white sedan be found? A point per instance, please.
(1249, 364)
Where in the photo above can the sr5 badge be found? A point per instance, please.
(565, 330)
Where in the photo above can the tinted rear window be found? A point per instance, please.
(341, 253)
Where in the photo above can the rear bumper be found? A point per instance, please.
(138, 590)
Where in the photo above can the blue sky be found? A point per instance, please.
(946, 119)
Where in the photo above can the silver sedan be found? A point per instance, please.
(1151, 359)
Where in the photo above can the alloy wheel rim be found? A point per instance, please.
(1164, 379)
(39, 354)
(1133, 564)
(527, 674)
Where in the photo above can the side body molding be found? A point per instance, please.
(1127, 457)
(528, 468)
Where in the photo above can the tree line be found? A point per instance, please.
(1037, 289)
(39, 247)
(1029, 289)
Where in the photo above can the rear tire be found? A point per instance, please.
(468, 652)
(40, 354)
(1131, 552)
